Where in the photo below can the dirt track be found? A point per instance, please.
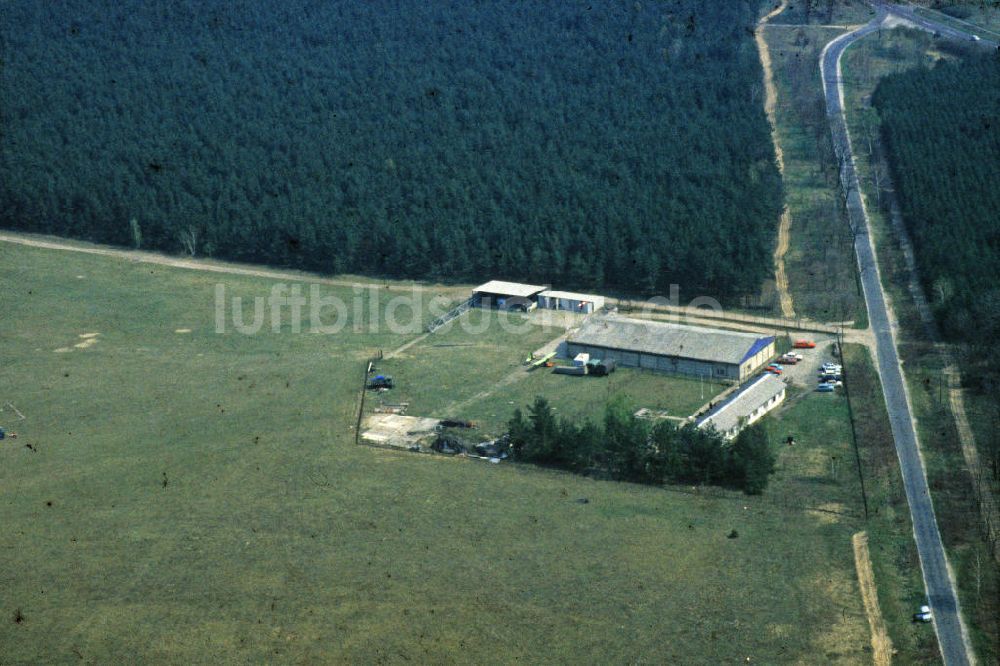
(785, 225)
(881, 643)
(206, 265)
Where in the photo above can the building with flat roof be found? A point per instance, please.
(676, 348)
(571, 301)
(745, 406)
(507, 295)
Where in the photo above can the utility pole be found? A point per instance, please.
(850, 413)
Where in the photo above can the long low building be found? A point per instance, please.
(571, 301)
(745, 406)
(675, 348)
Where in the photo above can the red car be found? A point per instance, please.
(772, 370)
(804, 344)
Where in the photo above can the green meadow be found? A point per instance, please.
(192, 497)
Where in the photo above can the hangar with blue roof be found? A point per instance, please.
(675, 348)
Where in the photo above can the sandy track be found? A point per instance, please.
(881, 643)
(987, 504)
(206, 265)
(785, 224)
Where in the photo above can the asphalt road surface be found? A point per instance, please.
(940, 29)
(942, 598)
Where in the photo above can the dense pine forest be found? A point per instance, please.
(606, 144)
(941, 127)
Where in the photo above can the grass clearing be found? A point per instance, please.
(832, 12)
(433, 378)
(820, 458)
(470, 354)
(198, 497)
(820, 260)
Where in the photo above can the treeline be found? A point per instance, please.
(627, 448)
(618, 145)
(941, 129)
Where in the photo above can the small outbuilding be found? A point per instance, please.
(570, 301)
(500, 295)
(745, 406)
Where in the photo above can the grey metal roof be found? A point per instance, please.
(509, 288)
(572, 295)
(743, 403)
(665, 339)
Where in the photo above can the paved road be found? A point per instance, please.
(907, 12)
(951, 632)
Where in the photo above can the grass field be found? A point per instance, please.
(864, 64)
(836, 12)
(481, 377)
(195, 497)
(820, 261)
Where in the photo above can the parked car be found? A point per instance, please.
(776, 365)
(788, 360)
(804, 344)
(772, 370)
(380, 383)
(832, 382)
(924, 615)
(825, 388)
(832, 367)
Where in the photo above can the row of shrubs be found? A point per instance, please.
(627, 448)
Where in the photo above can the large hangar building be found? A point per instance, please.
(674, 348)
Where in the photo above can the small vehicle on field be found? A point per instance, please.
(825, 388)
(380, 383)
